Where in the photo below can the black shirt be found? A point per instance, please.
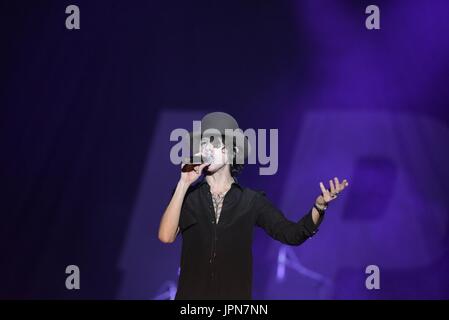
(216, 258)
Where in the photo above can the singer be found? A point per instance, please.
(216, 217)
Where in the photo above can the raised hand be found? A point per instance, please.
(327, 195)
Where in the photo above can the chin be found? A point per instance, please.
(214, 168)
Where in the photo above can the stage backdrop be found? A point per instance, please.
(85, 119)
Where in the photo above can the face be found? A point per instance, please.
(214, 151)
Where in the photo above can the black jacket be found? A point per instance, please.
(216, 259)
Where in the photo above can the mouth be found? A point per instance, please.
(206, 157)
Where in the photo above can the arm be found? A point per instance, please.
(169, 226)
(277, 226)
(317, 216)
(288, 232)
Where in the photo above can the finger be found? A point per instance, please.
(323, 189)
(337, 185)
(332, 186)
(344, 184)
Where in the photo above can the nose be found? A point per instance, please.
(207, 152)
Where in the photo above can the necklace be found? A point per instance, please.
(217, 200)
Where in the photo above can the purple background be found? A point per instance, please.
(85, 118)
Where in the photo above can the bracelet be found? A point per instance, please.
(319, 209)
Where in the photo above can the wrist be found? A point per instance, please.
(320, 206)
(183, 184)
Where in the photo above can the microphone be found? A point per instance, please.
(193, 161)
